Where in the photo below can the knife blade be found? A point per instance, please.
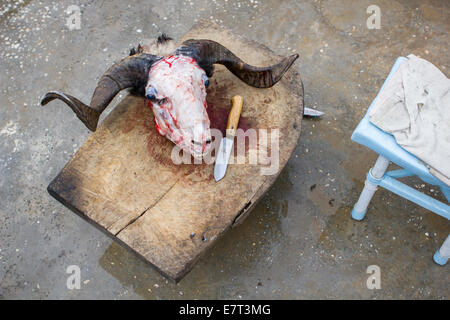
(226, 144)
(308, 112)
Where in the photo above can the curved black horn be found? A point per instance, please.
(129, 72)
(208, 52)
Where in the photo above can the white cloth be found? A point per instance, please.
(414, 106)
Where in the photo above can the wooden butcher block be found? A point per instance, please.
(123, 180)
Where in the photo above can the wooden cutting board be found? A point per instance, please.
(123, 180)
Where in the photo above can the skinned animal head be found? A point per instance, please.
(175, 87)
(176, 91)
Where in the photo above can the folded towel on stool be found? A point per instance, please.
(414, 106)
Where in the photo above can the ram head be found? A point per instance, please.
(174, 82)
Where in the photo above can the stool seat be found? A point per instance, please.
(384, 144)
(386, 147)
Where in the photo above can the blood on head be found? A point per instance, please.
(178, 99)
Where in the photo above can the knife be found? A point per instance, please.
(226, 144)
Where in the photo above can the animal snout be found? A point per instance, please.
(201, 138)
(200, 143)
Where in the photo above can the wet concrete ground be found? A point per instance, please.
(299, 242)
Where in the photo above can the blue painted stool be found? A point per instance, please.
(385, 145)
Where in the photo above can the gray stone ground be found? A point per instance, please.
(299, 242)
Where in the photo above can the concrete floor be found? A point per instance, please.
(299, 242)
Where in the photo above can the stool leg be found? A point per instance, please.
(441, 256)
(378, 170)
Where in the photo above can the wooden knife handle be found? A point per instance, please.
(235, 113)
